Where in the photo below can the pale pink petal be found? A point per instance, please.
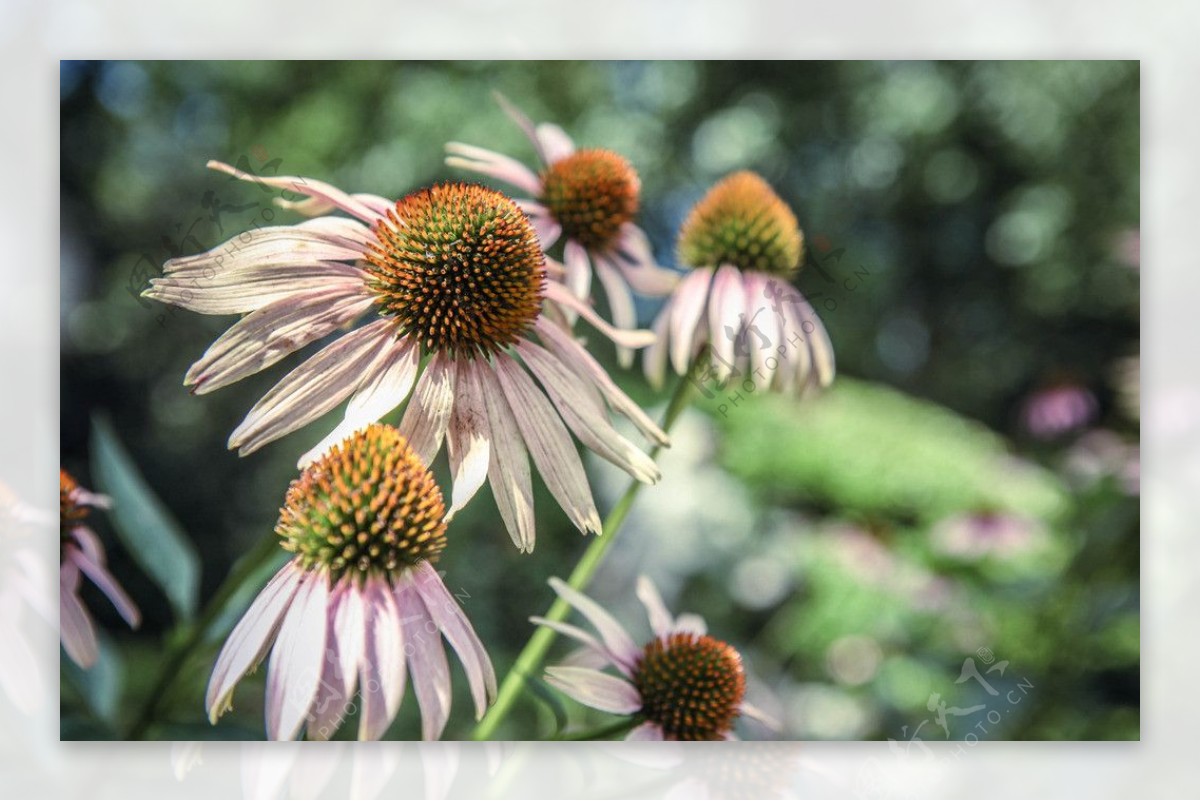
(494, 165)
(311, 207)
(449, 617)
(556, 145)
(620, 302)
(754, 713)
(311, 243)
(726, 307)
(549, 444)
(559, 294)
(295, 667)
(242, 291)
(595, 689)
(635, 259)
(797, 365)
(524, 123)
(586, 657)
(318, 190)
(468, 441)
(589, 642)
(646, 732)
(381, 682)
(77, 634)
(250, 638)
(579, 269)
(111, 589)
(760, 319)
(313, 388)
(342, 230)
(261, 339)
(819, 345)
(624, 650)
(508, 466)
(428, 414)
(690, 624)
(548, 229)
(583, 414)
(350, 620)
(660, 619)
(654, 358)
(686, 309)
(426, 659)
(575, 356)
(332, 704)
(384, 389)
(555, 270)
(89, 543)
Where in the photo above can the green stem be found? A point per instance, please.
(531, 656)
(242, 570)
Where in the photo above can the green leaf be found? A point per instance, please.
(152, 536)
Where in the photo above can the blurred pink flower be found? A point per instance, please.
(1059, 409)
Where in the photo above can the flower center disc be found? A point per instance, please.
(741, 221)
(368, 505)
(460, 267)
(691, 685)
(591, 193)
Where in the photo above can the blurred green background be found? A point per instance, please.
(967, 490)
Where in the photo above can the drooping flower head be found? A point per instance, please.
(682, 685)
(80, 553)
(736, 307)
(588, 198)
(360, 604)
(457, 282)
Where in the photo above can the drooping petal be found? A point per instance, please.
(112, 590)
(661, 620)
(318, 190)
(654, 358)
(754, 713)
(618, 642)
(77, 634)
(548, 229)
(524, 123)
(579, 269)
(575, 356)
(585, 416)
(635, 259)
(382, 672)
(646, 732)
(559, 294)
(556, 144)
(426, 659)
(797, 365)
(508, 464)
(331, 706)
(449, 617)
(726, 321)
(589, 642)
(595, 689)
(386, 388)
(620, 301)
(242, 291)
(313, 388)
(250, 639)
(428, 414)
(549, 444)
(819, 345)
(494, 165)
(686, 310)
(762, 334)
(468, 441)
(296, 662)
(272, 332)
(311, 207)
(349, 618)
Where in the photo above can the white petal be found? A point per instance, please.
(250, 639)
(315, 387)
(386, 387)
(690, 624)
(426, 659)
(294, 670)
(575, 356)
(618, 642)
(595, 689)
(428, 414)
(382, 672)
(584, 416)
(660, 619)
(556, 144)
(726, 310)
(754, 713)
(761, 322)
(686, 309)
(579, 269)
(630, 339)
(508, 466)
(468, 443)
(261, 339)
(646, 732)
(620, 301)
(549, 444)
(459, 633)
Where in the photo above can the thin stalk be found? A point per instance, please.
(242, 570)
(529, 660)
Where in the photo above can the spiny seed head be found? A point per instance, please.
(741, 221)
(591, 194)
(460, 267)
(368, 505)
(70, 512)
(691, 685)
